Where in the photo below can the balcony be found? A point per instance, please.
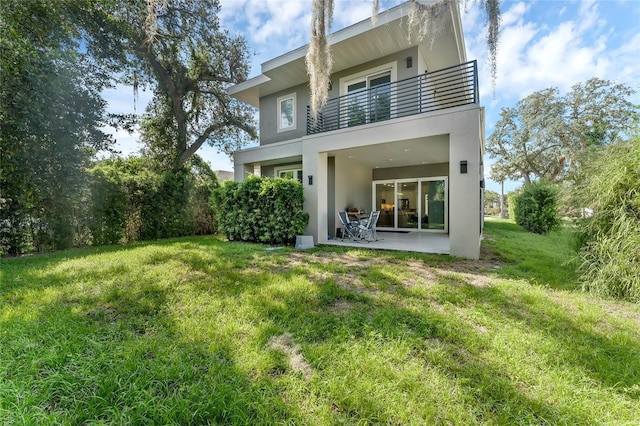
(433, 91)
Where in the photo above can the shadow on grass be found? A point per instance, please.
(114, 353)
(109, 351)
(490, 392)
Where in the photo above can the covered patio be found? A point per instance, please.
(390, 177)
(413, 241)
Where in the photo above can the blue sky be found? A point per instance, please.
(548, 43)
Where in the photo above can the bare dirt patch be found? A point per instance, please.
(340, 306)
(285, 343)
(415, 273)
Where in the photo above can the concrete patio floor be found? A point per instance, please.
(419, 242)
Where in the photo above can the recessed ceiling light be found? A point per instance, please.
(407, 150)
(424, 162)
(377, 167)
(390, 159)
(350, 157)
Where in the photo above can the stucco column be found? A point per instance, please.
(314, 164)
(241, 171)
(464, 188)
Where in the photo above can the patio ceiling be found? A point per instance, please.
(409, 152)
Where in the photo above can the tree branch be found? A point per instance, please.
(230, 121)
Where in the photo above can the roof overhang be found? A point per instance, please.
(357, 44)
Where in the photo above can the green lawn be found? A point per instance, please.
(198, 330)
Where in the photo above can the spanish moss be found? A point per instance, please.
(318, 58)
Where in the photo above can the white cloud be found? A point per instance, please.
(515, 14)
(533, 55)
(541, 48)
(273, 22)
(349, 12)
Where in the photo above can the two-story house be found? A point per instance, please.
(402, 132)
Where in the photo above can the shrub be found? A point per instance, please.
(512, 200)
(266, 210)
(609, 240)
(536, 208)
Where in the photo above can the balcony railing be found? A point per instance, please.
(435, 90)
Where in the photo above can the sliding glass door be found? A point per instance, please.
(368, 100)
(407, 202)
(384, 196)
(434, 201)
(420, 204)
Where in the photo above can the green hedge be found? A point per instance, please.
(265, 210)
(132, 201)
(108, 207)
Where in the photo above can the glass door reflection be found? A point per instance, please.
(433, 205)
(407, 204)
(384, 201)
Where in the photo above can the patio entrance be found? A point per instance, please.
(417, 204)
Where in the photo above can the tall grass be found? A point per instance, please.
(610, 252)
(610, 261)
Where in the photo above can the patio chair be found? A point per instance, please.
(351, 230)
(368, 227)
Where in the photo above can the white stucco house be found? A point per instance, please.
(402, 133)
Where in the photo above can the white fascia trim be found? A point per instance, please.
(458, 32)
(248, 84)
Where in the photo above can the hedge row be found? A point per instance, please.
(130, 201)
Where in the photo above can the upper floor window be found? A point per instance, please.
(287, 112)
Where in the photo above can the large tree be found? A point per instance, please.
(178, 48)
(51, 116)
(546, 134)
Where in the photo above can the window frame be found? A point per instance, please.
(391, 68)
(280, 100)
(366, 76)
(295, 168)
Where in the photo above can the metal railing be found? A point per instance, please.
(435, 90)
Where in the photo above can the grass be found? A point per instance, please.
(198, 330)
(540, 259)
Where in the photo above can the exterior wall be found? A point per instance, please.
(269, 116)
(462, 124)
(465, 208)
(331, 195)
(400, 58)
(269, 107)
(245, 160)
(269, 171)
(315, 164)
